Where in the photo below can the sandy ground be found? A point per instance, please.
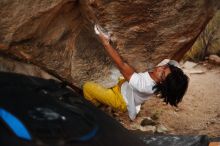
(197, 114)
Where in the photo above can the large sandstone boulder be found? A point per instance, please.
(58, 35)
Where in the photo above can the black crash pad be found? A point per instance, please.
(174, 140)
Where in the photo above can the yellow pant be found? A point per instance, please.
(97, 94)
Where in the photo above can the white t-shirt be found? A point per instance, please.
(136, 91)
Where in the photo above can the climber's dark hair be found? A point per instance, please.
(173, 88)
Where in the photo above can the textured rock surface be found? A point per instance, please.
(58, 36)
(12, 66)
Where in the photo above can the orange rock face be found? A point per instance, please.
(58, 35)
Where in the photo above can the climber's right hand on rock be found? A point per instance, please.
(99, 31)
(96, 29)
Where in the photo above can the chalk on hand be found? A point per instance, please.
(99, 30)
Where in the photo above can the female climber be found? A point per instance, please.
(166, 79)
